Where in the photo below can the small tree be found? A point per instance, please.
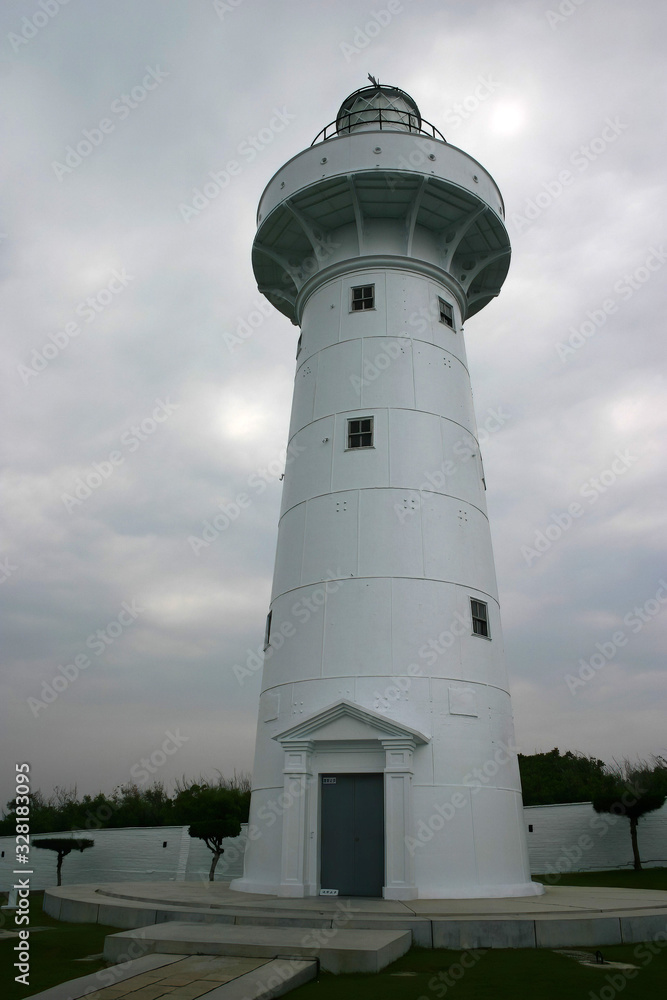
(213, 812)
(213, 832)
(633, 790)
(63, 846)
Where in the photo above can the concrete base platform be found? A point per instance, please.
(563, 917)
(338, 951)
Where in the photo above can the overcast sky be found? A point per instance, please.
(122, 296)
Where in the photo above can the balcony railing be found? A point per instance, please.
(387, 118)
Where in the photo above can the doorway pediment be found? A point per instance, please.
(345, 720)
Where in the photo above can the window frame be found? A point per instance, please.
(484, 619)
(359, 433)
(444, 317)
(362, 308)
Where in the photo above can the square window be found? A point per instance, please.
(446, 313)
(480, 618)
(363, 297)
(360, 432)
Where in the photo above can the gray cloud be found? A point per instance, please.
(550, 89)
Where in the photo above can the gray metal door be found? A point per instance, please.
(352, 833)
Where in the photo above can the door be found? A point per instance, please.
(352, 833)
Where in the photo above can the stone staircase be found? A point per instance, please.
(338, 949)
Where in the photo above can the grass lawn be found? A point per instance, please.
(623, 878)
(518, 974)
(521, 974)
(52, 952)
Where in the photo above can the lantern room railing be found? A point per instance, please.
(387, 118)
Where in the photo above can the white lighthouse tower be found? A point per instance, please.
(385, 763)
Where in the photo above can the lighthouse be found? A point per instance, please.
(385, 761)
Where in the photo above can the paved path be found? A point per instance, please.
(173, 977)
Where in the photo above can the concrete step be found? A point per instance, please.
(86, 904)
(338, 949)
